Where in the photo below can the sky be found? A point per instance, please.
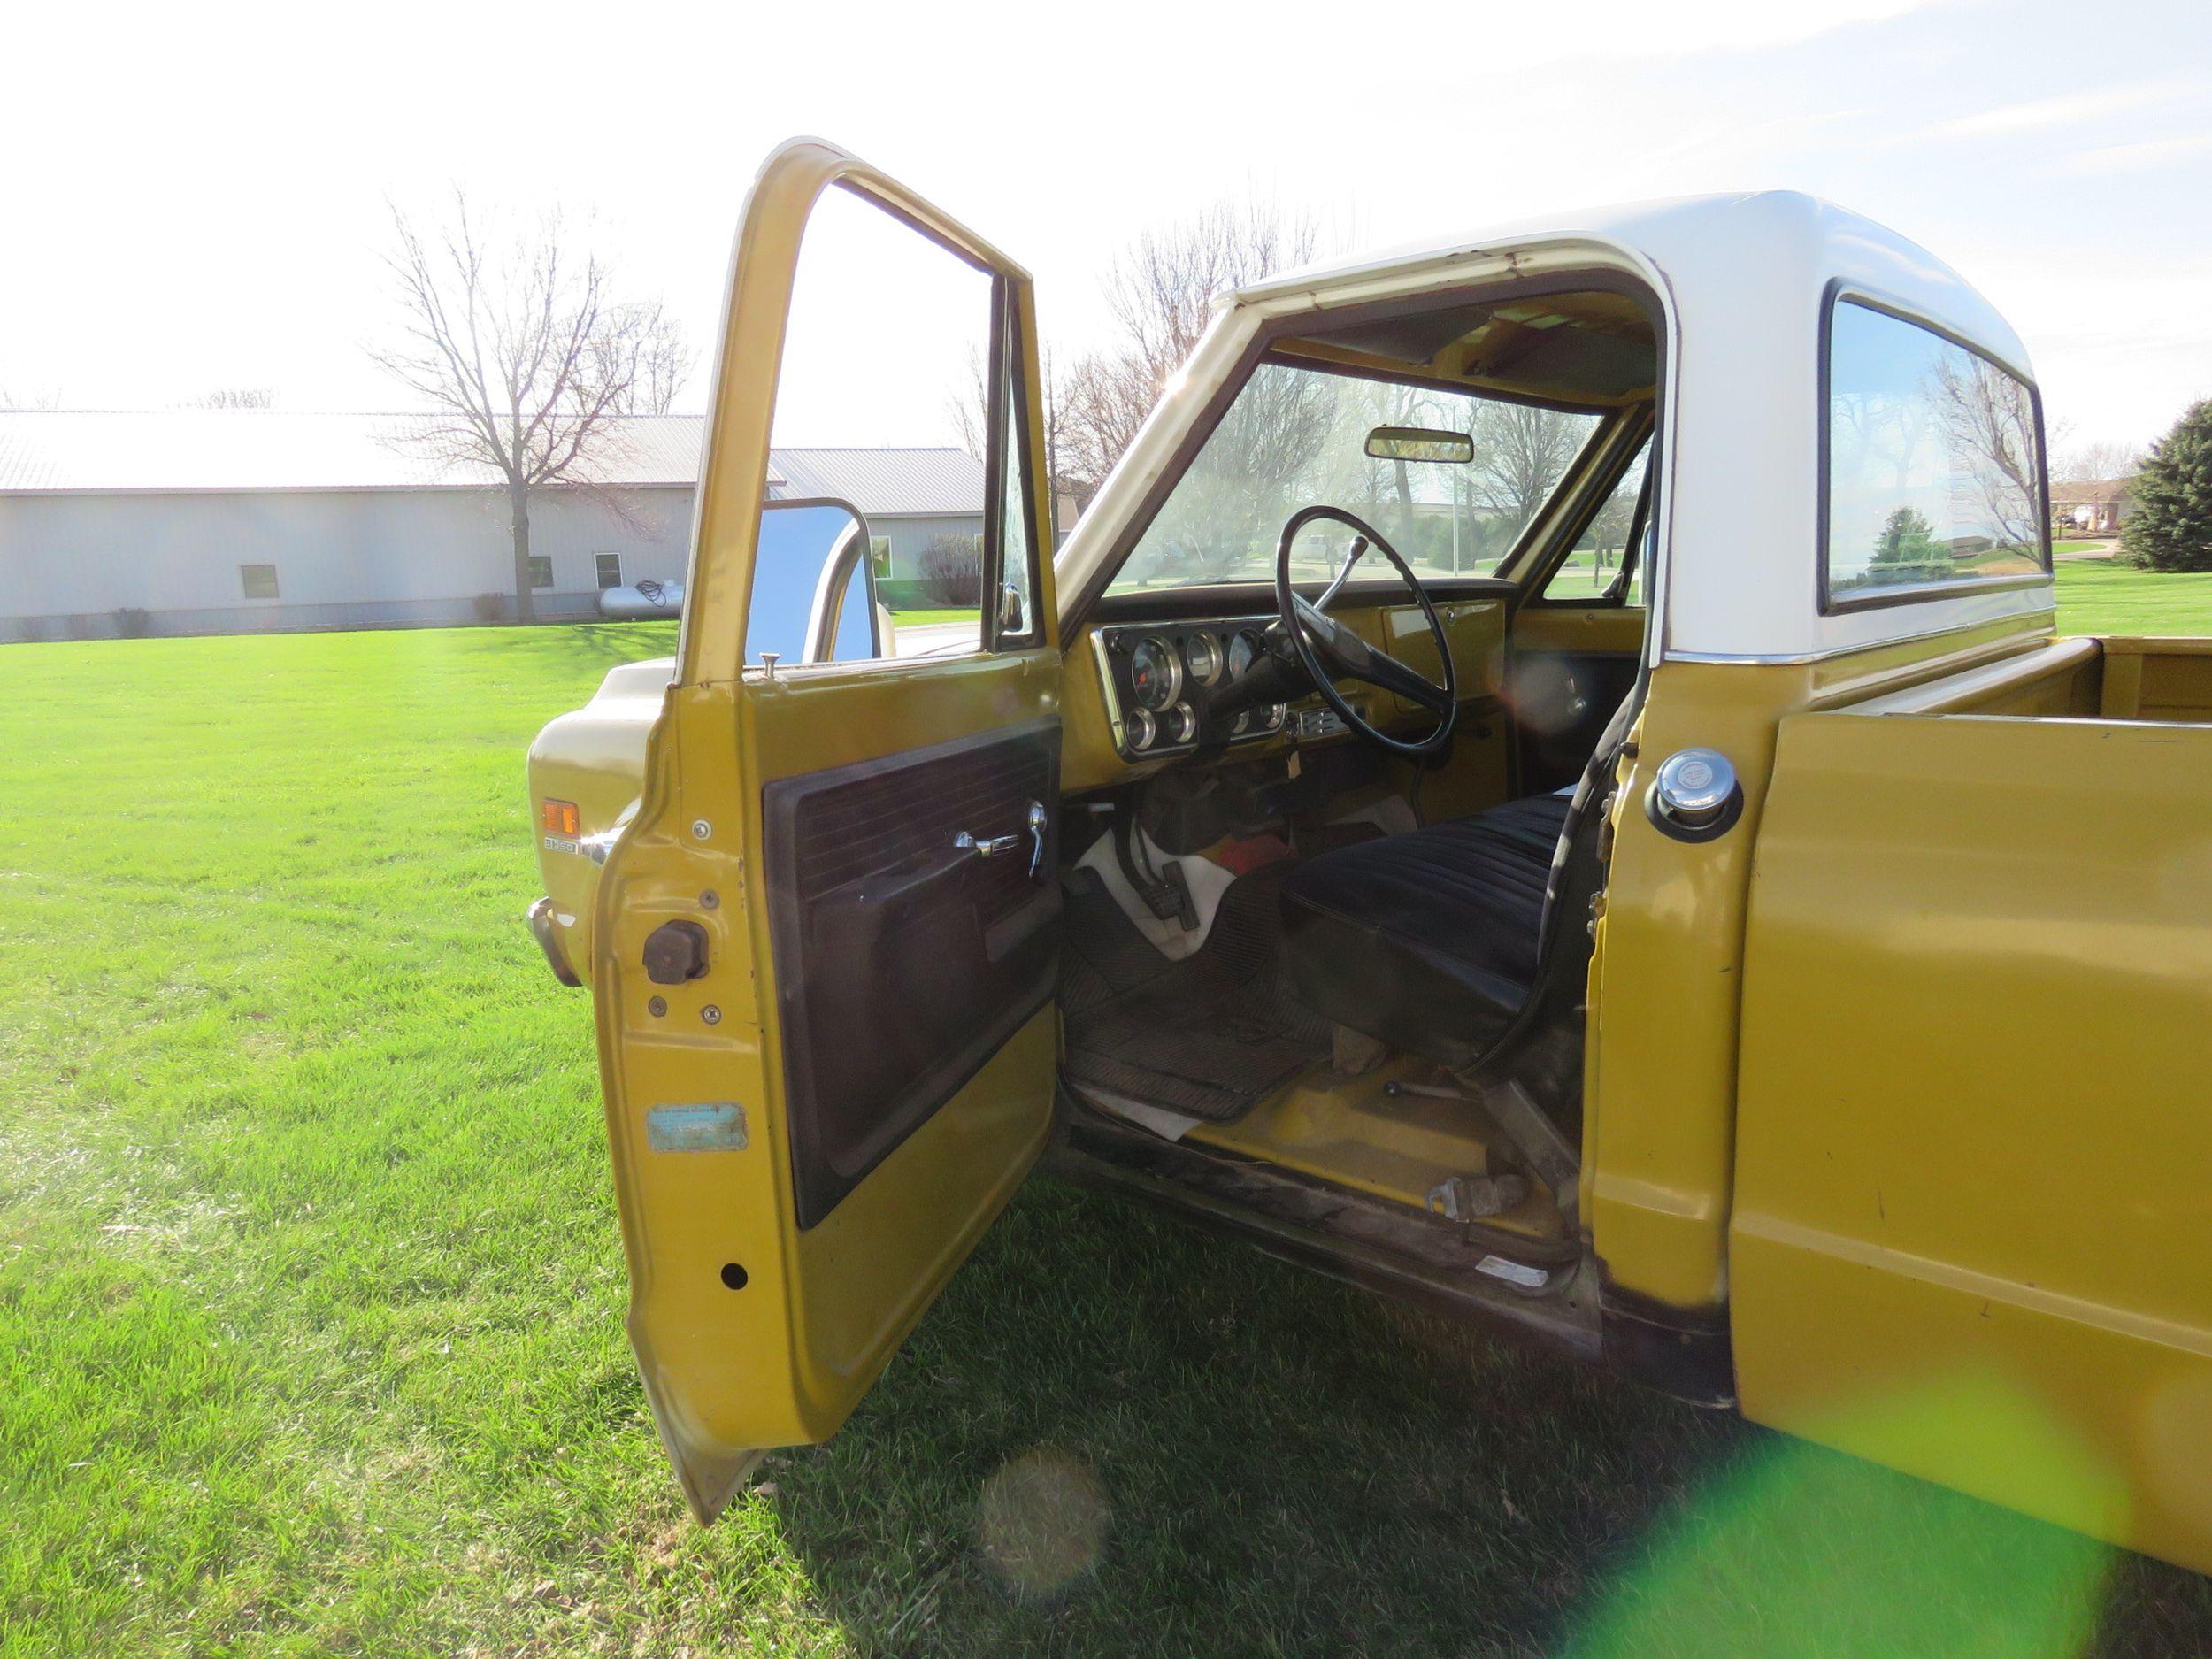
(199, 196)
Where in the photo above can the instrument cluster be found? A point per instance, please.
(1158, 676)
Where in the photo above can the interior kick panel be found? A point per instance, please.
(902, 960)
(1561, 704)
(1572, 665)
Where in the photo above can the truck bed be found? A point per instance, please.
(2086, 677)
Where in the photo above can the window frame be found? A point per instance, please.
(1498, 576)
(1842, 291)
(1092, 601)
(246, 582)
(1006, 416)
(1615, 598)
(599, 570)
(535, 560)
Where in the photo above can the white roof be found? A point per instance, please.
(1742, 283)
(1697, 237)
(182, 450)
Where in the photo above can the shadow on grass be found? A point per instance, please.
(1118, 1436)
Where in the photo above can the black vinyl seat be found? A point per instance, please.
(1427, 940)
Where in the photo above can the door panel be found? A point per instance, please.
(884, 924)
(1973, 1233)
(821, 1095)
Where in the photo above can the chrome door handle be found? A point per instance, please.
(1037, 824)
(997, 846)
(990, 848)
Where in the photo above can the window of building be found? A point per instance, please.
(880, 552)
(1934, 463)
(541, 570)
(610, 568)
(258, 580)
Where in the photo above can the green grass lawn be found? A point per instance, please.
(2099, 596)
(311, 1298)
(926, 617)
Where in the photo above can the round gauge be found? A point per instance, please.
(1141, 730)
(1202, 653)
(1182, 724)
(1244, 649)
(1156, 675)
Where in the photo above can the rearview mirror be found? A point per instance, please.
(1419, 443)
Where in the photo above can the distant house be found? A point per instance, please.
(2097, 507)
(197, 521)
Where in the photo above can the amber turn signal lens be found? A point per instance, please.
(561, 818)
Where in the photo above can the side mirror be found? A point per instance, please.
(1419, 443)
(814, 586)
(1013, 611)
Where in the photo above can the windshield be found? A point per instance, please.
(1297, 436)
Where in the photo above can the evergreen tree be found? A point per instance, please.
(1906, 548)
(2169, 525)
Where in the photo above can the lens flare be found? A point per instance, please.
(1042, 1521)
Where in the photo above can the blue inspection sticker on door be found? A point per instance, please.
(714, 1126)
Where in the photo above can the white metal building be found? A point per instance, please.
(200, 521)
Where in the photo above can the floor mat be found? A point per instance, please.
(1207, 1036)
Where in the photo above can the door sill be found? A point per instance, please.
(1467, 1271)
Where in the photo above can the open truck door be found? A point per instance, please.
(825, 949)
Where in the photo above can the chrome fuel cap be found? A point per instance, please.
(1695, 794)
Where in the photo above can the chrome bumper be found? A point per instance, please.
(547, 932)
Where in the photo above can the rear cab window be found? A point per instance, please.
(1931, 464)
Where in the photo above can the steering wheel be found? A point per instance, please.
(1328, 651)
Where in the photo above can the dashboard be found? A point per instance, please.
(1156, 674)
(1144, 705)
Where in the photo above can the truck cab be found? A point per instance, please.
(1544, 784)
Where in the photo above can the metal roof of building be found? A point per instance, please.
(189, 450)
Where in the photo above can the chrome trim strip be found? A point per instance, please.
(1752, 659)
(546, 931)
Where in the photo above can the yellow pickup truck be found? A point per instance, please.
(1544, 784)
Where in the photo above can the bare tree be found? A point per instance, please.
(971, 404)
(1160, 294)
(18, 398)
(1521, 453)
(2095, 461)
(1990, 422)
(236, 397)
(526, 357)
